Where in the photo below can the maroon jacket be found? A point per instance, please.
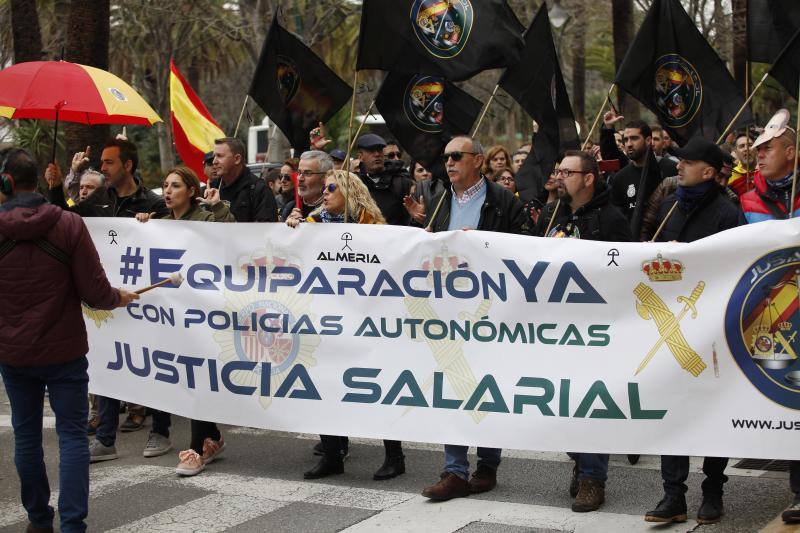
(41, 322)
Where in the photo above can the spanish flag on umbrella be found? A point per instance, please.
(193, 127)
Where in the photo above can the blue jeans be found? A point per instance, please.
(455, 459)
(592, 465)
(67, 385)
(108, 411)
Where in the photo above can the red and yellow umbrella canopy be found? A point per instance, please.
(70, 92)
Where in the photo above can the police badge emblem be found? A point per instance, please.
(442, 26)
(761, 324)
(423, 103)
(678, 90)
(288, 78)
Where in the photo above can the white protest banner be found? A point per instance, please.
(461, 337)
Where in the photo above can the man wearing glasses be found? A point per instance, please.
(583, 211)
(392, 152)
(311, 171)
(471, 202)
(387, 181)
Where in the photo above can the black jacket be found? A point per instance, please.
(105, 202)
(250, 198)
(713, 213)
(596, 220)
(388, 189)
(501, 211)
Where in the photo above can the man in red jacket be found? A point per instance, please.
(48, 265)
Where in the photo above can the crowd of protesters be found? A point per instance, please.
(656, 190)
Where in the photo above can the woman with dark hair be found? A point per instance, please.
(284, 187)
(181, 190)
(497, 160)
(419, 172)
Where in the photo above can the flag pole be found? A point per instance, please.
(436, 211)
(664, 222)
(741, 109)
(599, 114)
(346, 164)
(361, 125)
(241, 114)
(552, 218)
(485, 109)
(794, 168)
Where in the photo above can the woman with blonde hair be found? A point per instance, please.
(497, 160)
(362, 209)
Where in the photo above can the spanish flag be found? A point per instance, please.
(193, 127)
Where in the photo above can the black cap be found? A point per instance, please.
(727, 159)
(700, 149)
(208, 158)
(370, 140)
(337, 154)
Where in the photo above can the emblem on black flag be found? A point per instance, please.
(288, 78)
(423, 103)
(442, 26)
(678, 90)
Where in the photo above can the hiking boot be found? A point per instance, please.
(669, 509)
(573, 482)
(98, 452)
(591, 495)
(711, 509)
(483, 479)
(393, 466)
(132, 423)
(327, 466)
(157, 445)
(792, 514)
(91, 425)
(449, 486)
(190, 463)
(212, 448)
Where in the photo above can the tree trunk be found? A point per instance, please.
(25, 31)
(739, 32)
(622, 16)
(165, 151)
(579, 68)
(87, 43)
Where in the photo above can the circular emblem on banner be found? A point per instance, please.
(279, 348)
(423, 103)
(678, 90)
(761, 324)
(116, 93)
(442, 26)
(287, 78)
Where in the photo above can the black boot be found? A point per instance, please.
(792, 514)
(392, 466)
(711, 510)
(327, 466)
(670, 509)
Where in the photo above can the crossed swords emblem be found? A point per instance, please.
(650, 306)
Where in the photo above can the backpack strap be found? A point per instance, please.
(46, 246)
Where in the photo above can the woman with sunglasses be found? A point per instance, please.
(284, 186)
(181, 190)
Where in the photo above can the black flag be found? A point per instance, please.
(294, 87)
(425, 112)
(786, 68)
(770, 25)
(676, 74)
(454, 39)
(537, 84)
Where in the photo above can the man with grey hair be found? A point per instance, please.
(91, 180)
(311, 170)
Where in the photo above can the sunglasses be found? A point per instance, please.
(392, 155)
(455, 156)
(331, 187)
(286, 177)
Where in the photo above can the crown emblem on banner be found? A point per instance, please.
(660, 269)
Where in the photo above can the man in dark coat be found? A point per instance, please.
(387, 181)
(48, 265)
(249, 197)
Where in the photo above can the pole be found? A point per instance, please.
(664, 222)
(241, 114)
(741, 109)
(552, 218)
(599, 115)
(346, 164)
(485, 109)
(794, 168)
(436, 211)
(361, 125)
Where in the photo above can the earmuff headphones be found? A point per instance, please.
(6, 181)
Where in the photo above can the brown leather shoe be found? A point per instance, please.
(591, 496)
(483, 479)
(449, 487)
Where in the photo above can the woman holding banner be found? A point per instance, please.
(182, 196)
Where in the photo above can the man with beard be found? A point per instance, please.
(584, 212)
(311, 171)
(744, 172)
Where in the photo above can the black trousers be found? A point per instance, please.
(333, 444)
(675, 471)
(794, 478)
(201, 431)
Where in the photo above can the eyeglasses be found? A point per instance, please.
(286, 177)
(567, 172)
(506, 178)
(455, 156)
(308, 173)
(331, 187)
(392, 155)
